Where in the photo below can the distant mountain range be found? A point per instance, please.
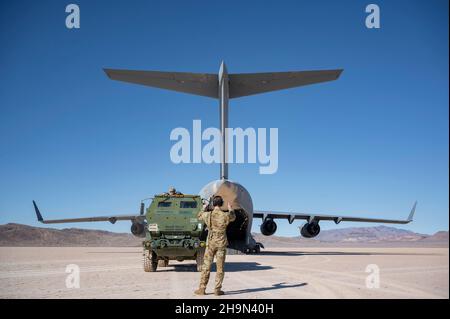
(360, 235)
(24, 235)
(369, 234)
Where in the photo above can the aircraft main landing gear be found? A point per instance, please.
(254, 250)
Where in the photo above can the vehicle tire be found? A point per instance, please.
(163, 263)
(154, 262)
(199, 258)
(146, 260)
(149, 261)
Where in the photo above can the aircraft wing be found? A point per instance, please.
(112, 219)
(336, 218)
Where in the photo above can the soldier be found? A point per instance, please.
(217, 221)
(172, 191)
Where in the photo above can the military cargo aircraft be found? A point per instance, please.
(224, 86)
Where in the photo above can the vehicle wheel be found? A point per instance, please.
(199, 258)
(149, 261)
(163, 262)
(146, 260)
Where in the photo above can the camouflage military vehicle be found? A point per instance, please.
(173, 231)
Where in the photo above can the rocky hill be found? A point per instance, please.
(24, 235)
(381, 235)
(440, 236)
(369, 234)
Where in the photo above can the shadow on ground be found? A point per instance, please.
(229, 267)
(114, 252)
(294, 253)
(338, 253)
(281, 285)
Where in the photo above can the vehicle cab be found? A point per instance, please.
(173, 230)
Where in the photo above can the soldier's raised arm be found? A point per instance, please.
(202, 214)
(231, 213)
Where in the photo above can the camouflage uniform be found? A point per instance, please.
(217, 222)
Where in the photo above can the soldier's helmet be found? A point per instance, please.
(172, 190)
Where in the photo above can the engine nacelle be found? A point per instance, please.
(310, 230)
(268, 227)
(138, 229)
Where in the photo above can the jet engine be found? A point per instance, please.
(310, 230)
(138, 229)
(268, 227)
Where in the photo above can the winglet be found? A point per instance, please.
(108, 72)
(411, 214)
(38, 213)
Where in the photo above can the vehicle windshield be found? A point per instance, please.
(164, 204)
(188, 204)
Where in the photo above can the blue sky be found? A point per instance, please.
(369, 144)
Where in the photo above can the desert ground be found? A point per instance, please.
(322, 272)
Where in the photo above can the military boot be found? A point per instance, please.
(200, 291)
(218, 292)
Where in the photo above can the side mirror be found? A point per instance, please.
(142, 208)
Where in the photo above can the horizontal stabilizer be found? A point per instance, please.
(240, 84)
(253, 83)
(194, 83)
